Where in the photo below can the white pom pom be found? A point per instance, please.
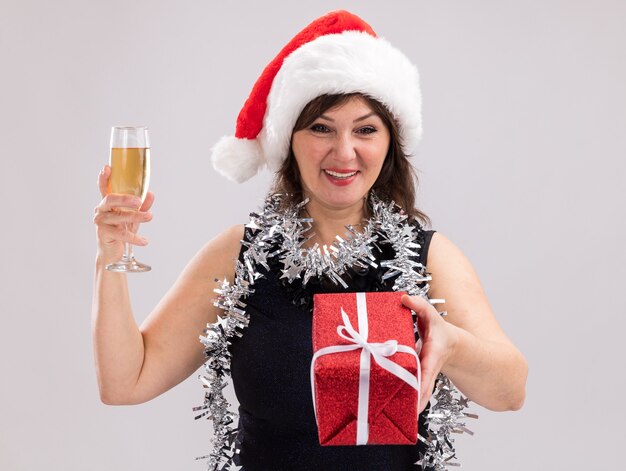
(237, 159)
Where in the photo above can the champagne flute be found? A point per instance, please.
(130, 175)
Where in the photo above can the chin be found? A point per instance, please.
(342, 198)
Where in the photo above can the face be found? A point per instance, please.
(341, 154)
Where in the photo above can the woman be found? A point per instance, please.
(335, 115)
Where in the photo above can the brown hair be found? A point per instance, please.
(397, 180)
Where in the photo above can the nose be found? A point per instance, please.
(345, 147)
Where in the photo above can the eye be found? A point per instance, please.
(319, 128)
(366, 130)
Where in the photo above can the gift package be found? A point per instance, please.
(365, 371)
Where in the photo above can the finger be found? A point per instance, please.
(418, 304)
(424, 402)
(425, 391)
(117, 200)
(103, 180)
(136, 239)
(429, 374)
(426, 394)
(124, 234)
(147, 202)
(424, 322)
(425, 312)
(430, 365)
(118, 216)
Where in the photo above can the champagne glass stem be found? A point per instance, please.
(128, 248)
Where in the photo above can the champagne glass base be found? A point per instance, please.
(128, 266)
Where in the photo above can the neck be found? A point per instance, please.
(330, 222)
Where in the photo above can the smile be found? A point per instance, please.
(340, 175)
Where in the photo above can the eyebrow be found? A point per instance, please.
(323, 116)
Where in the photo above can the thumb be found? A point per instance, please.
(416, 303)
(422, 309)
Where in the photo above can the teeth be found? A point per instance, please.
(339, 175)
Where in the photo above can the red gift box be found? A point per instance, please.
(365, 370)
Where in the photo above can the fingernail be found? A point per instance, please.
(144, 240)
(136, 202)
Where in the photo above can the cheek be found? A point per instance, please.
(378, 156)
(306, 165)
(383, 151)
(309, 159)
(316, 150)
(309, 172)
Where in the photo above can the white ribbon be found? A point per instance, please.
(377, 350)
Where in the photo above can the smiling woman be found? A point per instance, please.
(339, 138)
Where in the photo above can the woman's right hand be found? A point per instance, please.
(110, 219)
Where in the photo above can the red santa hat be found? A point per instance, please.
(337, 53)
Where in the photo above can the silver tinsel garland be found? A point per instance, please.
(281, 234)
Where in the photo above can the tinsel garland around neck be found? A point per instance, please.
(279, 235)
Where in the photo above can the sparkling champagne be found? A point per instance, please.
(130, 171)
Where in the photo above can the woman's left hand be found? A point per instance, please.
(438, 339)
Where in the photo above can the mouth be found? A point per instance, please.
(340, 174)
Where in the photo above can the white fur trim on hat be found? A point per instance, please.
(237, 159)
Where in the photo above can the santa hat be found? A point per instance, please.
(336, 54)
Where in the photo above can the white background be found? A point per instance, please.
(521, 165)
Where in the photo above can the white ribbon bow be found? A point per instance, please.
(377, 350)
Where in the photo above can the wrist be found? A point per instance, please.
(103, 258)
(455, 337)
